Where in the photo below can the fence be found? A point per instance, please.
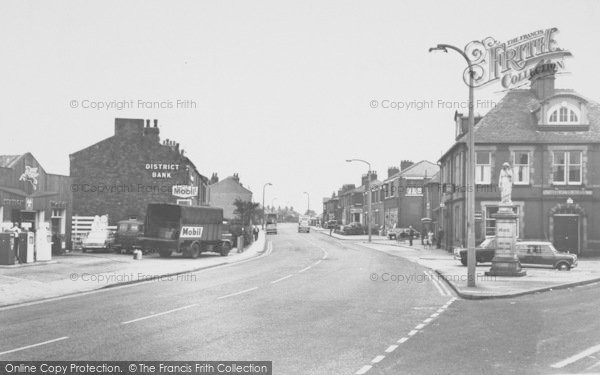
(81, 226)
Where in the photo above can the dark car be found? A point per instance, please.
(127, 237)
(484, 253)
(541, 253)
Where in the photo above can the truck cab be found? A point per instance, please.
(304, 224)
(271, 224)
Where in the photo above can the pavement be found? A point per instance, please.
(78, 272)
(538, 279)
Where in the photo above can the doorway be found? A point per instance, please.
(566, 233)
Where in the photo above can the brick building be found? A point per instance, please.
(551, 138)
(223, 193)
(402, 194)
(31, 197)
(121, 174)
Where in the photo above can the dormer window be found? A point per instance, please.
(563, 114)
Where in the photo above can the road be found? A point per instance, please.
(313, 305)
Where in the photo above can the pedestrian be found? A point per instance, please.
(255, 231)
(15, 234)
(430, 239)
(411, 233)
(439, 238)
(330, 229)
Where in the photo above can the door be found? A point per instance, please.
(566, 233)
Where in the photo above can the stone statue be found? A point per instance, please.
(505, 183)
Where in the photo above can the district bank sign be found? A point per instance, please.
(513, 62)
(162, 170)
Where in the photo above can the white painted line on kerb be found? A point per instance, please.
(377, 359)
(34, 345)
(428, 320)
(435, 284)
(160, 314)
(577, 357)
(305, 269)
(363, 370)
(441, 310)
(445, 287)
(420, 326)
(413, 332)
(238, 293)
(402, 340)
(283, 278)
(391, 348)
(435, 315)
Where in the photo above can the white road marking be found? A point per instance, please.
(391, 348)
(413, 332)
(428, 320)
(441, 310)
(435, 315)
(577, 357)
(363, 370)
(238, 293)
(319, 261)
(402, 340)
(592, 366)
(305, 269)
(434, 283)
(160, 314)
(34, 345)
(420, 326)
(445, 287)
(283, 278)
(377, 359)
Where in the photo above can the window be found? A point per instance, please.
(483, 167)
(414, 191)
(563, 114)
(457, 170)
(392, 189)
(566, 167)
(521, 167)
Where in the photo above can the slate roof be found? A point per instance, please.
(512, 120)
(424, 168)
(7, 161)
(231, 183)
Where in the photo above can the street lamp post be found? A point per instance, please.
(368, 188)
(470, 191)
(308, 202)
(263, 205)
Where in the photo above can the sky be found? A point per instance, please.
(276, 91)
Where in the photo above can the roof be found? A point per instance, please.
(422, 169)
(512, 121)
(8, 161)
(229, 181)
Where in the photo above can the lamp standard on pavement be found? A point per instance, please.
(368, 188)
(470, 191)
(263, 205)
(308, 202)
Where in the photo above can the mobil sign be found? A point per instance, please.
(185, 191)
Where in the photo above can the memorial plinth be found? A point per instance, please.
(506, 261)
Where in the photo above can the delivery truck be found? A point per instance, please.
(186, 230)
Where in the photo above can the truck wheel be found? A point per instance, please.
(225, 248)
(164, 253)
(195, 251)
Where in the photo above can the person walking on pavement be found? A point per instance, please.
(255, 231)
(439, 238)
(430, 239)
(411, 233)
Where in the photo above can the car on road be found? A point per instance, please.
(98, 240)
(401, 233)
(127, 238)
(541, 253)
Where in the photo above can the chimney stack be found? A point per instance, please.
(404, 164)
(152, 133)
(542, 80)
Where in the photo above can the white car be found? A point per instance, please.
(98, 240)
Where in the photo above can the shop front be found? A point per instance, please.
(37, 203)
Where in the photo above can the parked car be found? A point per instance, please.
(529, 252)
(353, 229)
(127, 238)
(98, 240)
(401, 233)
(331, 224)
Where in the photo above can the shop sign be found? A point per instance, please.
(29, 204)
(13, 202)
(567, 192)
(30, 175)
(184, 202)
(185, 191)
(162, 170)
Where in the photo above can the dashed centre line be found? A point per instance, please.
(283, 278)
(34, 345)
(238, 293)
(160, 314)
